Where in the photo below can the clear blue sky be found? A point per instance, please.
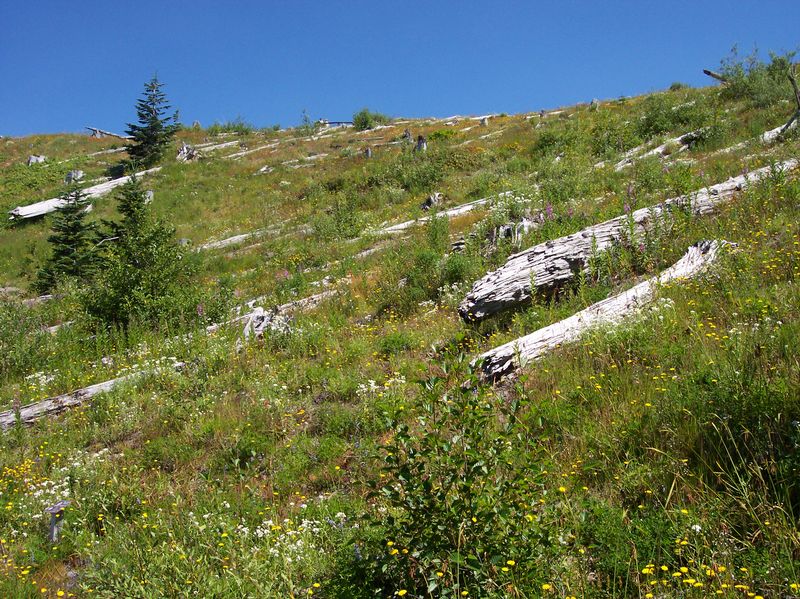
(64, 64)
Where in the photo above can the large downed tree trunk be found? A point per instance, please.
(503, 360)
(553, 263)
(55, 405)
(47, 206)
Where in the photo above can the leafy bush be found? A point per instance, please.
(441, 134)
(611, 135)
(238, 125)
(20, 182)
(762, 84)
(342, 220)
(364, 119)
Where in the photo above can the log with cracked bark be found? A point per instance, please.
(51, 406)
(96, 191)
(552, 264)
(505, 359)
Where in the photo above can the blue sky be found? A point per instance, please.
(64, 65)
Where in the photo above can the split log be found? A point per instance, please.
(187, 153)
(47, 206)
(502, 361)
(100, 133)
(55, 405)
(552, 264)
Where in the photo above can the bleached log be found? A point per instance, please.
(238, 155)
(100, 133)
(215, 147)
(503, 360)
(55, 405)
(452, 212)
(109, 151)
(773, 134)
(96, 191)
(682, 141)
(306, 303)
(551, 264)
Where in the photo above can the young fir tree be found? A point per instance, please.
(155, 129)
(145, 275)
(72, 242)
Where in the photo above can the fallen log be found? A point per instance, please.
(96, 191)
(100, 133)
(682, 141)
(503, 360)
(456, 211)
(551, 264)
(715, 75)
(30, 413)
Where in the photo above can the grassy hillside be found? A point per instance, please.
(357, 454)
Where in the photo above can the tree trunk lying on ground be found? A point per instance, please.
(553, 263)
(457, 211)
(100, 133)
(682, 142)
(503, 360)
(305, 303)
(47, 206)
(55, 405)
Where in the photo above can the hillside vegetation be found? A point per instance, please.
(353, 451)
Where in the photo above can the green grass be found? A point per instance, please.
(348, 455)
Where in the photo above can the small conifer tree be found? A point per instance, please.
(71, 242)
(146, 275)
(155, 129)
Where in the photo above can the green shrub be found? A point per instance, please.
(395, 342)
(441, 134)
(238, 125)
(364, 119)
(761, 84)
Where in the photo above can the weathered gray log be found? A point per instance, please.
(503, 360)
(100, 133)
(682, 142)
(452, 212)
(55, 405)
(96, 191)
(36, 159)
(552, 264)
